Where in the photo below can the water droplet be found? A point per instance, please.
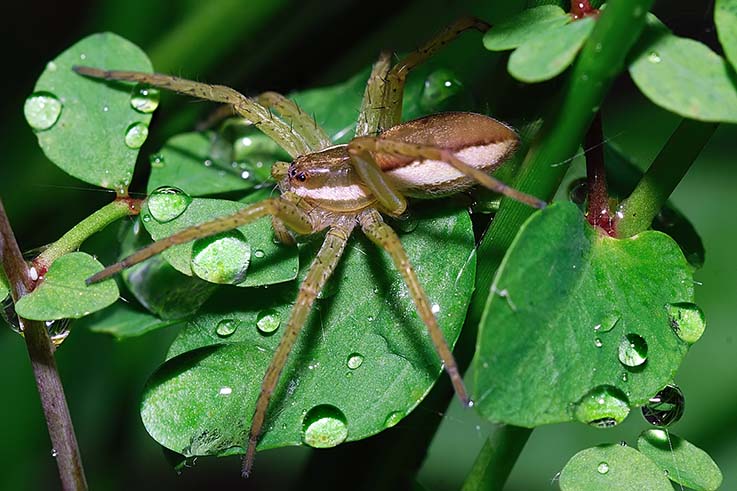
(225, 391)
(167, 203)
(207, 163)
(222, 258)
(602, 468)
(654, 57)
(608, 323)
(268, 321)
(598, 343)
(393, 419)
(666, 407)
(42, 110)
(245, 174)
(58, 330)
(258, 253)
(435, 308)
(439, 86)
(686, 320)
(51, 66)
(54, 452)
(105, 108)
(578, 191)
(144, 98)
(324, 426)
(146, 218)
(406, 223)
(602, 406)
(157, 160)
(226, 327)
(136, 135)
(355, 360)
(370, 318)
(632, 350)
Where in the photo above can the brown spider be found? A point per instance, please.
(340, 187)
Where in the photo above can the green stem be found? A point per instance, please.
(41, 352)
(600, 61)
(71, 240)
(667, 170)
(496, 459)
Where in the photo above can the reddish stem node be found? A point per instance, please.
(599, 213)
(581, 9)
(134, 204)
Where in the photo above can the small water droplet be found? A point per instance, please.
(226, 327)
(245, 174)
(51, 66)
(439, 86)
(393, 419)
(167, 203)
(654, 57)
(157, 160)
(598, 343)
(258, 253)
(602, 468)
(608, 322)
(632, 350)
(225, 391)
(602, 406)
(105, 109)
(207, 163)
(222, 258)
(146, 218)
(370, 318)
(666, 407)
(54, 452)
(406, 223)
(268, 321)
(324, 426)
(435, 308)
(145, 99)
(136, 135)
(686, 320)
(578, 191)
(82, 56)
(42, 110)
(355, 360)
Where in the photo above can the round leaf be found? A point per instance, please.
(269, 262)
(364, 359)
(614, 468)
(725, 18)
(63, 293)
(685, 76)
(549, 52)
(684, 462)
(566, 303)
(524, 27)
(90, 128)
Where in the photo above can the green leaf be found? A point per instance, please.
(4, 286)
(82, 124)
(364, 360)
(524, 27)
(550, 52)
(563, 332)
(614, 468)
(265, 264)
(193, 163)
(683, 462)
(63, 293)
(685, 77)
(725, 18)
(122, 322)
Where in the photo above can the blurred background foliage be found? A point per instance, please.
(288, 45)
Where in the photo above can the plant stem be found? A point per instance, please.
(600, 61)
(40, 351)
(496, 459)
(71, 240)
(667, 170)
(599, 214)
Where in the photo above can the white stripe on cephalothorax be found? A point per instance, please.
(432, 174)
(332, 193)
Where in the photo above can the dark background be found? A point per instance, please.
(287, 45)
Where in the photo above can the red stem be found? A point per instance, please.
(582, 8)
(599, 214)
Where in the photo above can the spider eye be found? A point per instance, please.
(301, 177)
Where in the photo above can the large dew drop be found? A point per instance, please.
(167, 203)
(145, 99)
(136, 135)
(686, 320)
(603, 406)
(666, 407)
(42, 110)
(324, 426)
(439, 86)
(222, 258)
(632, 350)
(226, 327)
(268, 321)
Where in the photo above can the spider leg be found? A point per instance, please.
(301, 122)
(391, 200)
(384, 236)
(373, 98)
(289, 213)
(395, 79)
(278, 130)
(322, 267)
(376, 145)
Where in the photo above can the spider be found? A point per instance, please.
(339, 188)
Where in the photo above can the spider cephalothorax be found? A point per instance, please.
(344, 187)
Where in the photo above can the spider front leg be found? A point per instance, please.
(288, 213)
(283, 134)
(384, 236)
(321, 269)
